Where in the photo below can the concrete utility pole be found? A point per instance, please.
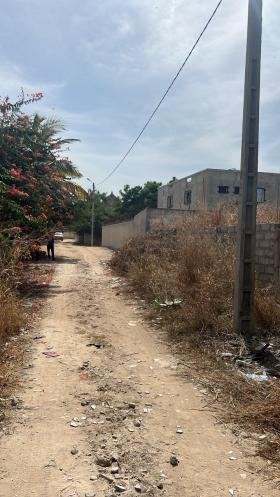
(246, 240)
(92, 212)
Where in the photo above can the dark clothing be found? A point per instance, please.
(50, 248)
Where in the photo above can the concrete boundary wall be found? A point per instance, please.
(267, 237)
(267, 249)
(115, 235)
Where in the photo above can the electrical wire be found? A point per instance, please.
(163, 96)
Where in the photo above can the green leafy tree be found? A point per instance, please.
(135, 199)
(36, 189)
(110, 208)
(106, 208)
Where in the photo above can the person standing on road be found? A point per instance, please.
(50, 247)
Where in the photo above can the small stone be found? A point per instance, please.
(114, 470)
(103, 461)
(74, 451)
(137, 423)
(89, 495)
(93, 478)
(84, 402)
(2, 416)
(131, 405)
(138, 487)
(179, 430)
(174, 460)
(93, 407)
(160, 485)
(74, 424)
(115, 457)
(106, 477)
(119, 487)
(14, 402)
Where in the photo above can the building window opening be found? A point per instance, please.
(260, 195)
(188, 197)
(169, 201)
(223, 189)
(236, 190)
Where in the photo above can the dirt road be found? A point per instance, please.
(104, 408)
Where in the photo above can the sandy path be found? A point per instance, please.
(125, 363)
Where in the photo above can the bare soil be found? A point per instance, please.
(93, 347)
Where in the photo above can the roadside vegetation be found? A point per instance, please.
(109, 208)
(12, 316)
(37, 195)
(186, 275)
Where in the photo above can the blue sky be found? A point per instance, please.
(103, 64)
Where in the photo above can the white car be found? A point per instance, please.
(58, 236)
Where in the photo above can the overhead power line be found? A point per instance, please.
(163, 96)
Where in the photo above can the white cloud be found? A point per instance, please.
(105, 65)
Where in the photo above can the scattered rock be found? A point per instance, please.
(137, 423)
(89, 495)
(179, 430)
(93, 478)
(15, 402)
(115, 457)
(174, 461)
(75, 424)
(103, 461)
(114, 470)
(96, 345)
(131, 405)
(160, 485)
(86, 365)
(51, 353)
(138, 487)
(84, 402)
(2, 416)
(51, 464)
(120, 487)
(108, 478)
(74, 451)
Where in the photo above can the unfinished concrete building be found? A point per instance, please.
(212, 187)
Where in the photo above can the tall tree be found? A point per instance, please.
(135, 199)
(36, 191)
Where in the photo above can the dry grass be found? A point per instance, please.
(12, 316)
(193, 263)
(190, 264)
